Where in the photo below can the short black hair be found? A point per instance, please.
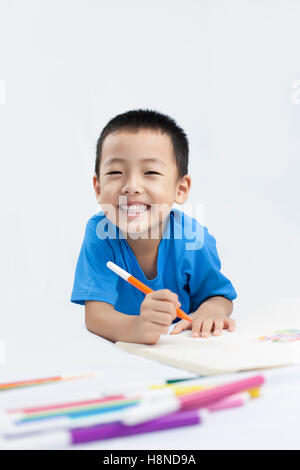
(148, 119)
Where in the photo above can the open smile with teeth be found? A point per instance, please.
(134, 210)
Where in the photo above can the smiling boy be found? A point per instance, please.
(141, 170)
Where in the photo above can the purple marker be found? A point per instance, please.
(111, 430)
(103, 431)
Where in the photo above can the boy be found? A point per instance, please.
(140, 172)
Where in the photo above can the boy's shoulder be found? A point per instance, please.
(95, 219)
(188, 230)
(182, 217)
(100, 230)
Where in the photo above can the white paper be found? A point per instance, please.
(229, 352)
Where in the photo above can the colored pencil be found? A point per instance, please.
(79, 411)
(45, 380)
(63, 422)
(90, 406)
(57, 406)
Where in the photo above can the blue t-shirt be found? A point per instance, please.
(187, 264)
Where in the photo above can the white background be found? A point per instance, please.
(224, 70)
(228, 72)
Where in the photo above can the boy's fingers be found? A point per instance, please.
(231, 324)
(165, 294)
(218, 327)
(180, 326)
(207, 327)
(177, 329)
(160, 318)
(159, 328)
(196, 327)
(164, 306)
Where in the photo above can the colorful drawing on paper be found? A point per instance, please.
(282, 336)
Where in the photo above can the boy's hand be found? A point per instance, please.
(204, 322)
(157, 312)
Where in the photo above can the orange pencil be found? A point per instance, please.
(45, 380)
(139, 285)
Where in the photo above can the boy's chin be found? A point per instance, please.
(139, 230)
(134, 232)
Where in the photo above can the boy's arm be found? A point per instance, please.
(157, 312)
(216, 304)
(102, 319)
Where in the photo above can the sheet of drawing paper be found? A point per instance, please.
(229, 352)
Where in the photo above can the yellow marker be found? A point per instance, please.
(180, 389)
(254, 392)
(183, 389)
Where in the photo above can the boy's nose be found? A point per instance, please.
(132, 186)
(130, 190)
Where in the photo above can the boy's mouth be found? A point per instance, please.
(134, 210)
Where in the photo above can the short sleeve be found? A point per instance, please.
(93, 280)
(206, 279)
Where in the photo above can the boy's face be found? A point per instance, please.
(138, 181)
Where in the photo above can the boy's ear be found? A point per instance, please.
(182, 189)
(96, 184)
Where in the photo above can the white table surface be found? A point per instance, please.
(269, 422)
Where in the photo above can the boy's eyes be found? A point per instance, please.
(119, 172)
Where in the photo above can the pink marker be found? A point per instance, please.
(230, 402)
(202, 399)
(211, 395)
